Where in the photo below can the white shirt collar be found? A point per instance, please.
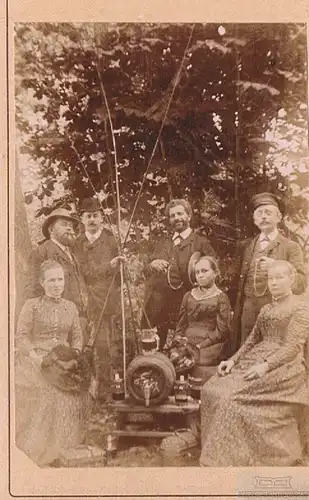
(91, 237)
(184, 234)
(271, 236)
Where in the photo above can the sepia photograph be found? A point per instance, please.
(161, 245)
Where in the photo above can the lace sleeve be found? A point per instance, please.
(253, 339)
(297, 335)
(24, 327)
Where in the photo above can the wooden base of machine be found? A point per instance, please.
(150, 422)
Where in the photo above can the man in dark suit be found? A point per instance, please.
(97, 253)
(255, 255)
(167, 269)
(59, 232)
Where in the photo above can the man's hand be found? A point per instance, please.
(116, 260)
(265, 263)
(225, 367)
(256, 371)
(159, 265)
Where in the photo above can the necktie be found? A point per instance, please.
(177, 239)
(264, 242)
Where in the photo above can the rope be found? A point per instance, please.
(159, 133)
(91, 184)
(118, 219)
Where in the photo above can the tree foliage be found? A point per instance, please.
(236, 123)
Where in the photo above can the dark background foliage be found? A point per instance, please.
(213, 148)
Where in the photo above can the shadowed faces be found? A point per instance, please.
(178, 218)
(281, 277)
(62, 230)
(52, 281)
(266, 218)
(92, 221)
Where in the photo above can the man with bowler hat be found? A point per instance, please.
(59, 232)
(255, 255)
(97, 253)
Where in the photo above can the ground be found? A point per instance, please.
(137, 452)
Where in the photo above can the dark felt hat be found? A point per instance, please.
(90, 205)
(265, 199)
(59, 213)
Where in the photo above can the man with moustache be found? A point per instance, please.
(255, 255)
(59, 232)
(168, 269)
(97, 253)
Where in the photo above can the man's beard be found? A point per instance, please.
(180, 226)
(67, 239)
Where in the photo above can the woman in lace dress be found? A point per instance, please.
(249, 409)
(204, 317)
(47, 419)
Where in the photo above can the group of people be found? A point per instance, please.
(252, 360)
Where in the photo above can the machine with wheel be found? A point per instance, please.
(158, 400)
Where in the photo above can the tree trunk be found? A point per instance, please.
(22, 242)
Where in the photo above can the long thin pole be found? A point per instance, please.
(123, 321)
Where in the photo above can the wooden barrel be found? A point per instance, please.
(154, 370)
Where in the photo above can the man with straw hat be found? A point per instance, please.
(59, 232)
(97, 253)
(255, 256)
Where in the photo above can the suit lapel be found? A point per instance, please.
(61, 252)
(273, 244)
(248, 253)
(186, 242)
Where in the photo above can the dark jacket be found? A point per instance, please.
(95, 260)
(281, 248)
(74, 287)
(161, 302)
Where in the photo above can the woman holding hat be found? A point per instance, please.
(204, 317)
(47, 419)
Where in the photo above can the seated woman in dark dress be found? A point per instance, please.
(204, 317)
(249, 409)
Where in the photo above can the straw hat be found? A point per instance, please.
(193, 260)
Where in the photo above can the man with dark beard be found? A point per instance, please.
(59, 232)
(168, 269)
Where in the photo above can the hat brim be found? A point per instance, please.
(193, 260)
(52, 218)
(91, 210)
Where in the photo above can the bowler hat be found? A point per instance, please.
(265, 199)
(59, 213)
(90, 205)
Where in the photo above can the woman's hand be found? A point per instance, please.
(159, 265)
(225, 367)
(256, 371)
